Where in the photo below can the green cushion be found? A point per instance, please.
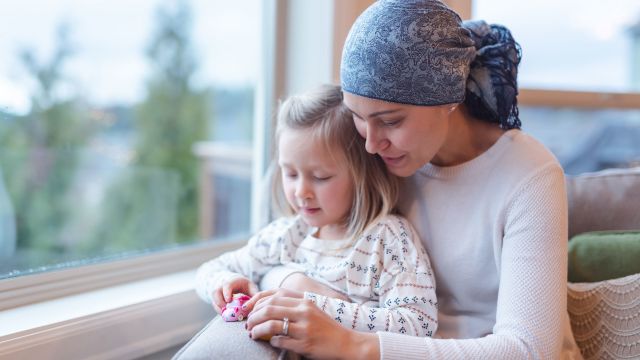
(604, 255)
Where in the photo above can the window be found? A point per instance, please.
(125, 128)
(579, 78)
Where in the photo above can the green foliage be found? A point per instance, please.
(168, 122)
(39, 153)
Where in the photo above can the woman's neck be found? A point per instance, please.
(467, 138)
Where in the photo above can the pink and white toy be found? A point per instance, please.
(233, 311)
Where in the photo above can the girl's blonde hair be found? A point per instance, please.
(322, 112)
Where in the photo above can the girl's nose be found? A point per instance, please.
(303, 191)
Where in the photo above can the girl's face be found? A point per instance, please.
(317, 186)
(406, 136)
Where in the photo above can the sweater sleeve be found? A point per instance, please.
(532, 291)
(404, 299)
(263, 252)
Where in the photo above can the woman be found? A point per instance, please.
(436, 99)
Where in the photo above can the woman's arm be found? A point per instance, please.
(531, 309)
(531, 303)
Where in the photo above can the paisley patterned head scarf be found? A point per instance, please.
(419, 52)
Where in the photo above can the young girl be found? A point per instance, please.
(342, 233)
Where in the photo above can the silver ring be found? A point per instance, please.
(285, 326)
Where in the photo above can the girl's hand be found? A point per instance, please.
(224, 294)
(311, 332)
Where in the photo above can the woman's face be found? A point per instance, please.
(406, 136)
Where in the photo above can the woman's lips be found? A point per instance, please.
(393, 161)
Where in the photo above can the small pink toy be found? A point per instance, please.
(233, 311)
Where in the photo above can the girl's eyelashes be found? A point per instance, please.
(290, 175)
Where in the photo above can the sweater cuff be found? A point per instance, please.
(402, 347)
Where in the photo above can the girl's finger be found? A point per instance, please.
(227, 292)
(217, 300)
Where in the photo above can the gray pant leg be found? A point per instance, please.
(228, 340)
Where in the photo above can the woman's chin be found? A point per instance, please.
(403, 171)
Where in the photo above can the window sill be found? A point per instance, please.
(120, 322)
(35, 288)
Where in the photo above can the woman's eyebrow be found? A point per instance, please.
(377, 113)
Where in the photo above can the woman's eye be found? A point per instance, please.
(322, 178)
(391, 123)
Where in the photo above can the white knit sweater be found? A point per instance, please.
(496, 231)
(385, 273)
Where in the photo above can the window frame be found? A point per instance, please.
(540, 97)
(27, 289)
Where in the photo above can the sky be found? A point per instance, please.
(579, 44)
(574, 44)
(110, 36)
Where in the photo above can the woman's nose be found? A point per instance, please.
(374, 142)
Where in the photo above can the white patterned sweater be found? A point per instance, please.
(385, 273)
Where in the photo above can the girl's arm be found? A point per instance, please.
(407, 306)
(262, 252)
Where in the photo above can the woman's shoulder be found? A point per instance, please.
(525, 159)
(525, 152)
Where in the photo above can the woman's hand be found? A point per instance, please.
(311, 332)
(262, 295)
(224, 294)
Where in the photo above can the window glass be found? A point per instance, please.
(574, 44)
(586, 140)
(125, 127)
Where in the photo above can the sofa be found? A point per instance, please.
(605, 314)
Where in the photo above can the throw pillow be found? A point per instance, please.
(604, 255)
(605, 317)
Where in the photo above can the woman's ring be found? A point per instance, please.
(285, 326)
